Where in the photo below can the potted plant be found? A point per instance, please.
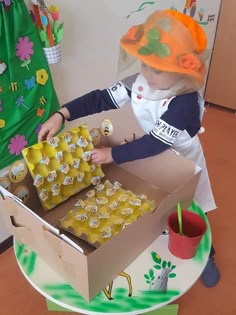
(51, 30)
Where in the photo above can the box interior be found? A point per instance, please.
(114, 173)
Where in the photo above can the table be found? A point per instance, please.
(153, 280)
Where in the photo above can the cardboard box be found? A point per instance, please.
(168, 178)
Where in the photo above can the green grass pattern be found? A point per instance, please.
(26, 258)
(121, 302)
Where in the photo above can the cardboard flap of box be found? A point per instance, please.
(167, 170)
(10, 215)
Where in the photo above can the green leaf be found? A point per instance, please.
(157, 267)
(168, 264)
(173, 267)
(148, 282)
(153, 34)
(27, 62)
(162, 50)
(146, 276)
(54, 27)
(44, 38)
(153, 45)
(164, 264)
(172, 275)
(144, 51)
(152, 278)
(43, 35)
(151, 273)
(61, 26)
(156, 257)
(59, 34)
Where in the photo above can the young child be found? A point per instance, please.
(164, 97)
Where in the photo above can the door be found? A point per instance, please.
(221, 83)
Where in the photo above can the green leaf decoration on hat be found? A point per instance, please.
(145, 51)
(153, 34)
(161, 50)
(154, 45)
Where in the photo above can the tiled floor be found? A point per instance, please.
(17, 297)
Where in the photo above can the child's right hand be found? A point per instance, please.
(50, 127)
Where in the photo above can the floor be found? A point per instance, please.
(17, 297)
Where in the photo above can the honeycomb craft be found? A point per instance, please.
(61, 166)
(107, 209)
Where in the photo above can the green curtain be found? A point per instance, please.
(27, 95)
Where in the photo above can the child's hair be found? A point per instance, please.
(169, 41)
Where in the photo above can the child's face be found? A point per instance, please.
(159, 80)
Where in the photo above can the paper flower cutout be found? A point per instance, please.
(41, 76)
(6, 2)
(44, 20)
(2, 123)
(24, 50)
(17, 144)
(190, 61)
(52, 31)
(54, 11)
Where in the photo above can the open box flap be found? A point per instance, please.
(10, 202)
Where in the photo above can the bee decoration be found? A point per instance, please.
(17, 172)
(106, 127)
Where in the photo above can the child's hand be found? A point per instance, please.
(53, 124)
(102, 155)
(50, 128)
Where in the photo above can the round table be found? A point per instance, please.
(154, 279)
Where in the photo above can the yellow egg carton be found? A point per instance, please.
(107, 209)
(62, 167)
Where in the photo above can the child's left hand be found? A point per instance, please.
(102, 155)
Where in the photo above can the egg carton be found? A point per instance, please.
(107, 209)
(62, 166)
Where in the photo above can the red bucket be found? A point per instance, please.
(194, 227)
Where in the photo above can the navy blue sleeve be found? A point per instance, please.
(90, 103)
(98, 101)
(138, 149)
(183, 114)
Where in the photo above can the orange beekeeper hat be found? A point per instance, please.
(169, 41)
